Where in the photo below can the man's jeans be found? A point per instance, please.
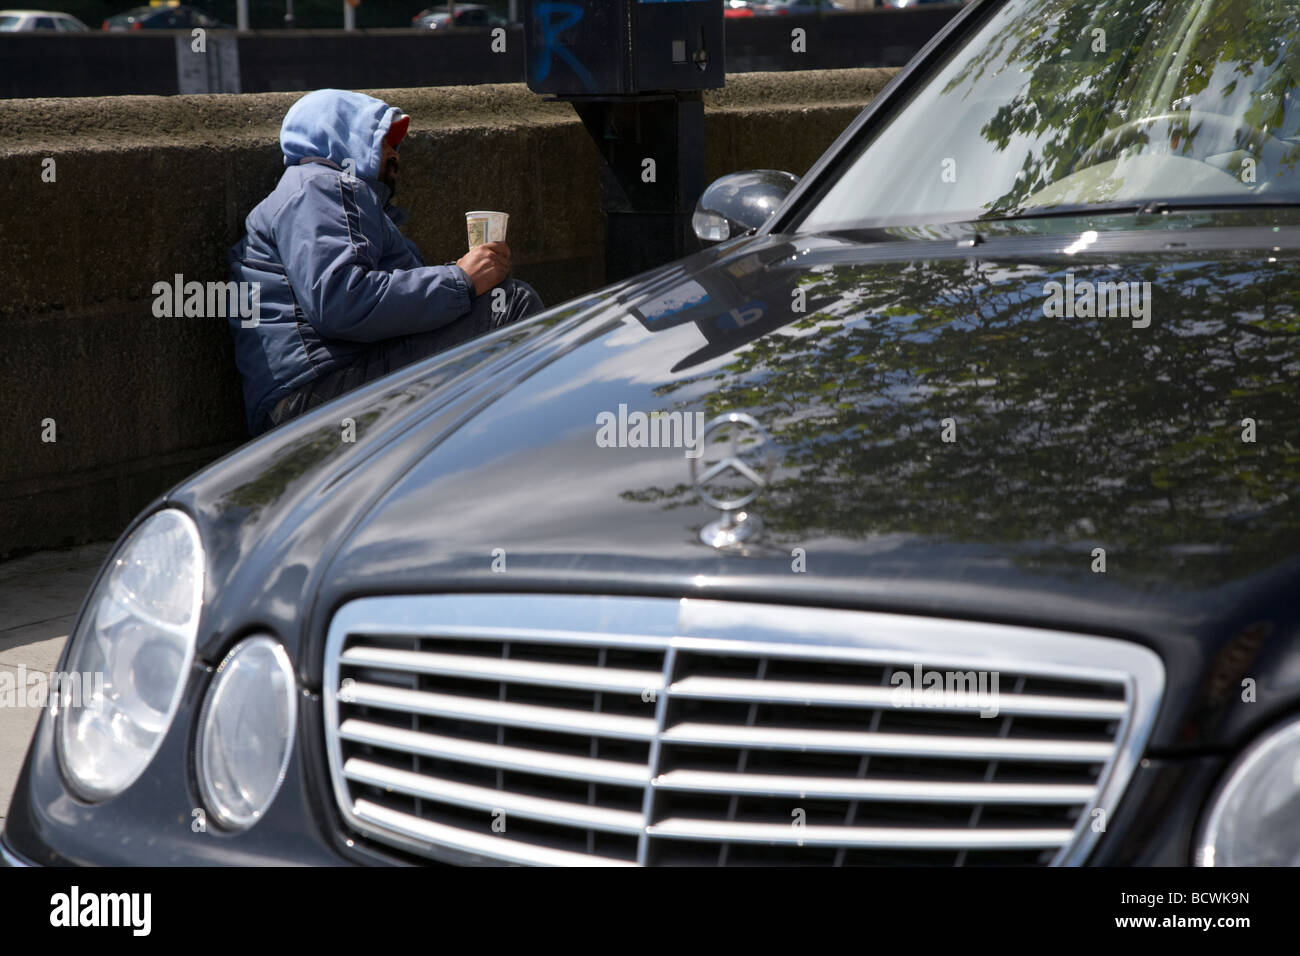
(391, 354)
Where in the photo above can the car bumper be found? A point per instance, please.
(9, 858)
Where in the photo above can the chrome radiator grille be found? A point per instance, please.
(569, 730)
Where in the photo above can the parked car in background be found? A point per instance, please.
(23, 21)
(737, 9)
(467, 15)
(943, 510)
(177, 17)
(784, 8)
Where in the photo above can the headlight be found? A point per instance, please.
(245, 732)
(138, 632)
(1255, 817)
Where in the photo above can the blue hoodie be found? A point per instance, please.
(335, 272)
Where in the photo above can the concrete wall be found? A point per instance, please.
(164, 61)
(146, 187)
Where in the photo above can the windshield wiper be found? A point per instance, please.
(1146, 207)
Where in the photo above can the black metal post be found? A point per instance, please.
(653, 172)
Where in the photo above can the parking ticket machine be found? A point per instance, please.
(634, 71)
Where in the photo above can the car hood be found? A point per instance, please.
(942, 445)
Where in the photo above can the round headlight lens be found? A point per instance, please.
(1254, 819)
(138, 636)
(246, 731)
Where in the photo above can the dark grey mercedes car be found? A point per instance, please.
(945, 511)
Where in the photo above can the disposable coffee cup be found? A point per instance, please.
(484, 225)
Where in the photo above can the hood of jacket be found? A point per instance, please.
(338, 125)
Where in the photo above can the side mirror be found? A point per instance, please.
(739, 202)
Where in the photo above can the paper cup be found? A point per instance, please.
(484, 225)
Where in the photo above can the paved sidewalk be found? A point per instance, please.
(39, 598)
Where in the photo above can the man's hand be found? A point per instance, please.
(486, 265)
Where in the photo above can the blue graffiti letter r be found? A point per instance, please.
(556, 18)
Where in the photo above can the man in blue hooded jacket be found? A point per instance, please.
(344, 297)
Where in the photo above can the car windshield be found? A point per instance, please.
(9, 23)
(1062, 104)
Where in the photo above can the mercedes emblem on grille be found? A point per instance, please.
(736, 463)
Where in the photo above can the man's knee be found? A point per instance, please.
(508, 302)
(521, 299)
(530, 301)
